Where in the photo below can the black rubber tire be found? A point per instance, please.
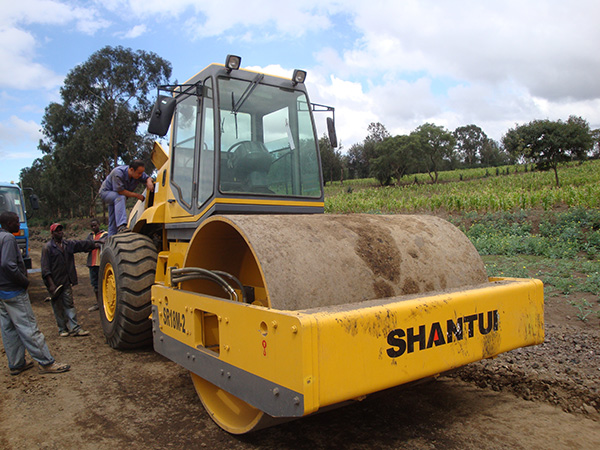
(132, 258)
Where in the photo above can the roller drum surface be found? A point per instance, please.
(313, 261)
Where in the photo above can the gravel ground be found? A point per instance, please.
(545, 397)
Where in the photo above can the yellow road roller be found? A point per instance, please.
(278, 310)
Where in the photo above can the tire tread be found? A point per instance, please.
(133, 257)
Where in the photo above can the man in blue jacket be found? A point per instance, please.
(59, 274)
(17, 321)
(119, 185)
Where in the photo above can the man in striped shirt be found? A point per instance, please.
(93, 261)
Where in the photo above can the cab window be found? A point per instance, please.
(184, 143)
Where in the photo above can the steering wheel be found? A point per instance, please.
(286, 151)
(237, 144)
(250, 154)
(231, 163)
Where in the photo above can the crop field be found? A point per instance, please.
(520, 222)
(480, 190)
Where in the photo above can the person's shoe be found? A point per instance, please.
(94, 307)
(123, 229)
(55, 367)
(64, 334)
(23, 368)
(80, 332)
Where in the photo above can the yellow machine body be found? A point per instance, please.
(276, 309)
(292, 363)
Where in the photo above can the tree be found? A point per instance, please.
(470, 142)
(358, 165)
(395, 158)
(105, 101)
(331, 160)
(435, 145)
(491, 154)
(377, 132)
(361, 155)
(549, 143)
(595, 143)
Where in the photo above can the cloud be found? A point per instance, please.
(17, 52)
(234, 17)
(548, 46)
(135, 32)
(353, 107)
(400, 63)
(19, 45)
(51, 12)
(272, 69)
(15, 136)
(17, 129)
(508, 62)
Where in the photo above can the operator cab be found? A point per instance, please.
(241, 142)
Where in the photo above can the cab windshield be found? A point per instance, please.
(10, 200)
(267, 140)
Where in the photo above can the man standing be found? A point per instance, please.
(17, 321)
(119, 185)
(59, 274)
(93, 261)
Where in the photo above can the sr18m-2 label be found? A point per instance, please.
(173, 319)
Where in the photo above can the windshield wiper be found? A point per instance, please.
(247, 93)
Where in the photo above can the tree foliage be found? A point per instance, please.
(595, 153)
(331, 160)
(493, 155)
(105, 100)
(377, 133)
(358, 164)
(470, 142)
(435, 146)
(395, 157)
(549, 143)
(360, 155)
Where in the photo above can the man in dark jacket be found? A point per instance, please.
(59, 274)
(17, 321)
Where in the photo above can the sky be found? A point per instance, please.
(402, 63)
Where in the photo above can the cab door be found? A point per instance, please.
(183, 158)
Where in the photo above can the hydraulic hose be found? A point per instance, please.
(216, 276)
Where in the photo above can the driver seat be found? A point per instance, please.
(251, 163)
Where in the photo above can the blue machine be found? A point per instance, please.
(12, 199)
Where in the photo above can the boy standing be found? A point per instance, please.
(93, 261)
(59, 274)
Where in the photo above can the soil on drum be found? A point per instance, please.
(545, 397)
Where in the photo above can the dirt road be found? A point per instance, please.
(545, 397)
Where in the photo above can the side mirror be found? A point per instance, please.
(162, 113)
(35, 202)
(331, 131)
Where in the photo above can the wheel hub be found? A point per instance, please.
(109, 292)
